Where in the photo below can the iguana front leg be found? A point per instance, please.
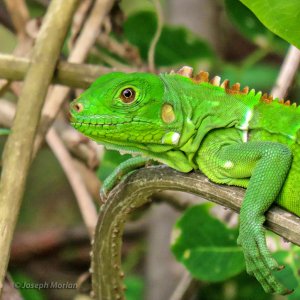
(267, 165)
(120, 172)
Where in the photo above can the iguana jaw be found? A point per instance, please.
(122, 135)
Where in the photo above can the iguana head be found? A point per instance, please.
(127, 110)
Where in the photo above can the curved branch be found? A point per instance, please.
(134, 192)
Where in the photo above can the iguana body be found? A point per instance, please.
(233, 136)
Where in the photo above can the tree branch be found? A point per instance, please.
(78, 184)
(70, 74)
(83, 197)
(135, 192)
(187, 288)
(18, 149)
(78, 54)
(287, 73)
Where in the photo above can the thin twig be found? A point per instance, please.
(29, 244)
(80, 146)
(287, 73)
(123, 50)
(10, 291)
(78, 21)
(7, 113)
(19, 14)
(187, 288)
(84, 199)
(18, 149)
(151, 52)
(90, 30)
(78, 54)
(5, 20)
(105, 58)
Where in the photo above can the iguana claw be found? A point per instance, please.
(103, 194)
(258, 258)
(120, 173)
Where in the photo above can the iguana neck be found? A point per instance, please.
(204, 107)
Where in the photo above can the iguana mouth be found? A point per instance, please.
(99, 120)
(78, 124)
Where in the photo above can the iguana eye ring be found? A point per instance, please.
(128, 95)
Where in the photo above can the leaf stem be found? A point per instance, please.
(151, 52)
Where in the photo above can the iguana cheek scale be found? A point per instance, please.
(234, 136)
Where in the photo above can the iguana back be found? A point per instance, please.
(255, 116)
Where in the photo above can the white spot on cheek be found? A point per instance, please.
(228, 164)
(171, 138)
(175, 138)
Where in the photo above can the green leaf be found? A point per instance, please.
(247, 24)
(8, 40)
(176, 44)
(110, 161)
(289, 276)
(36, 9)
(28, 288)
(4, 131)
(240, 287)
(281, 17)
(206, 247)
(134, 288)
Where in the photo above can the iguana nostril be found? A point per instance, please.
(78, 107)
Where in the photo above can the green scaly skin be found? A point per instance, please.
(234, 137)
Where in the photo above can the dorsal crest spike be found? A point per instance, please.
(216, 81)
(225, 84)
(234, 89)
(186, 72)
(202, 76)
(266, 98)
(245, 90)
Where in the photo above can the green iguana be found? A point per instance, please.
(234, 136)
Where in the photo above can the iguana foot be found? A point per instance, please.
(258, 258)
(120, 173)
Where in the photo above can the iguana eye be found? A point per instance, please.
(127, 95)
